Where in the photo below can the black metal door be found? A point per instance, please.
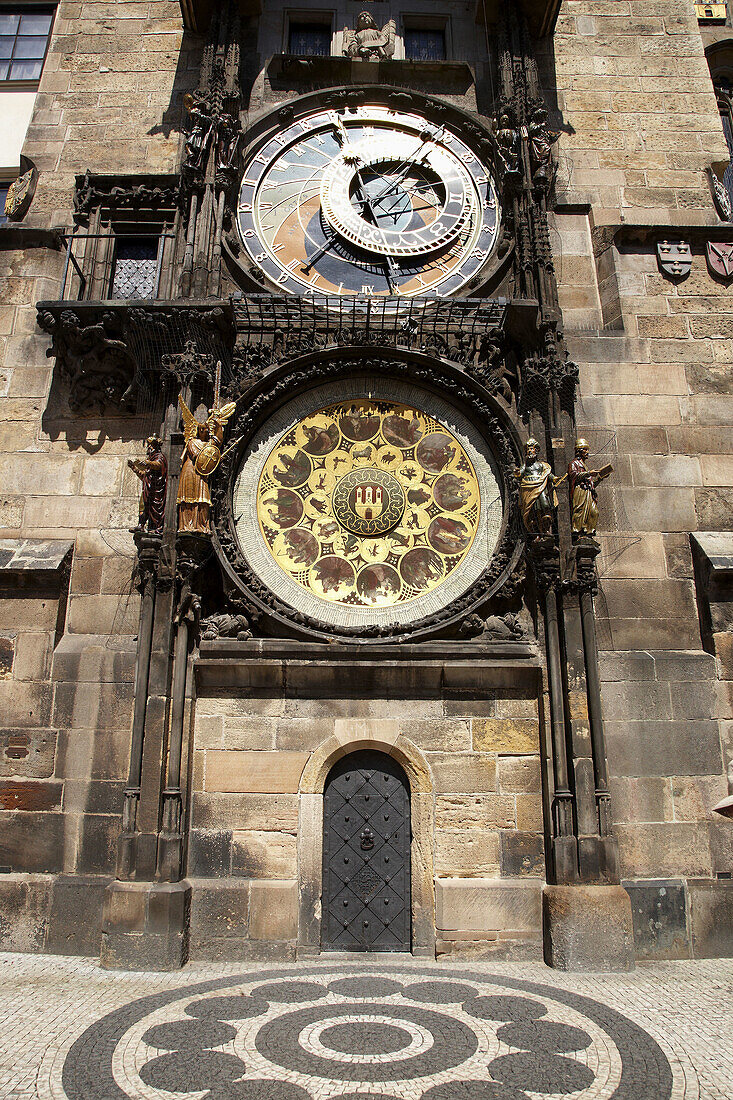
(366, 855)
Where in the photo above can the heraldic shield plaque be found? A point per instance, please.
(376, 502)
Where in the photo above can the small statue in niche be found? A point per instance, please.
(508, 146)
(202, 455)
(537, 495)
(227, 142)
(367, 41)
(153, 473)
(200, 134)
(541, 140)
(583, 496)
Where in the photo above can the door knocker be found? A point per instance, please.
(367, 839)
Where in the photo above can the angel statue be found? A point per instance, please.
(367, 42)
(201, 456)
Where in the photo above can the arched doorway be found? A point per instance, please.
(366, 855)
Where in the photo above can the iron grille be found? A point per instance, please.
(136, 268)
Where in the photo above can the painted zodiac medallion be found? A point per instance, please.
(368, 503)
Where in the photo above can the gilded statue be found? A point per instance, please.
(153, 473)
(583, 496)
(202, 455)
(537, 495)
(367, 41)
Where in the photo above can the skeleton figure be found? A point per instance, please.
(367, 41)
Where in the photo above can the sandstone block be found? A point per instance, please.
(243, 772)
(469, 772)
(474, 811)
(264, 855)
(519, 773)
(245, 811)
(273, 910)
(671, 848)
(483, 905)
(587, 928)
(512, 736)
(466, 852)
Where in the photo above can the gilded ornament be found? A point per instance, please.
(537, 496)
(368, 504)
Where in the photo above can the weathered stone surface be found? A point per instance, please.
(587, 928)
(474, 811)
(245, 811)
(505, 735)
(519, 773)
(145, 926)
(260, 855)
(209, 853)
(659, 911)
(668, 848)
(484, 905)
(711, 919)
(648, 747)
(24, 912)
(219, 912)
(522, 853)
(243, 772)
(467, 852)
(273, 911)
(469, 772)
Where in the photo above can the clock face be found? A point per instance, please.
(358, 506)
(367, 201)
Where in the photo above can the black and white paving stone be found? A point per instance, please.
(404, 1031)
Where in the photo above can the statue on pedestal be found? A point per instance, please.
(201, 457)
(583, 496)
(367, 41)
(537, 495)
(153, 473)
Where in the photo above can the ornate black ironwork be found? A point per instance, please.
(366, 855)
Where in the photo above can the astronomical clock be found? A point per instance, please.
(367, 201)
(368, 502)
(372, 502)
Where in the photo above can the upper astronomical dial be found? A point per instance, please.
(364, 196)
(367, 201)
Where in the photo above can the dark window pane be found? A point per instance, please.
(25, 70)
(35, 23)
(29, 47)
(3, 196)
(136, 267)
(3, 70)
(425, 45)
(310, 39)
(8, 23)
(6, 46)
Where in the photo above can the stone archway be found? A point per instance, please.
(310, 833)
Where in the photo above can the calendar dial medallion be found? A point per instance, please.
(368, 201)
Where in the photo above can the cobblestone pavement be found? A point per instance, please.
(384, 1028)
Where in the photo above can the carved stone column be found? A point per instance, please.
(148, 557)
